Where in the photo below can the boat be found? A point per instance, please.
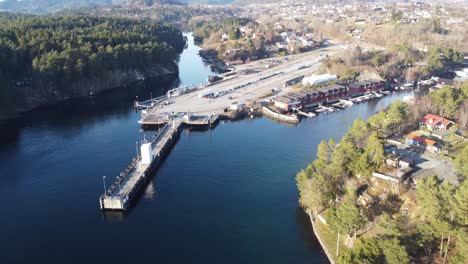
(322, 108)
(339, 105)
(378, 95)
(462, 73)
(307, 114)
(346, 102)
(406, 86)
(408, 98)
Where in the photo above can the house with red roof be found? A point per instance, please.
(429, 144)
(434, 122)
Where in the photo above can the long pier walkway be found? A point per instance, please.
(125, 187)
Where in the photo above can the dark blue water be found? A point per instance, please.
(222, 196)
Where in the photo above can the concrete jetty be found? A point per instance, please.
(127, 185)
(290, 119)
(130, 181)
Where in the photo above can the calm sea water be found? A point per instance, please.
(222, 196)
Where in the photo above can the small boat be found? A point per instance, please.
(408, 98)
(347, 103)
(378, 95)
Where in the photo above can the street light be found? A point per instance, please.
(136, 145)
(151, 94)
(104, 182)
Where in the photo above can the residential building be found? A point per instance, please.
(429, 144)
(435, 122)
(397, 161)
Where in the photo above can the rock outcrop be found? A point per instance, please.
(39, 92)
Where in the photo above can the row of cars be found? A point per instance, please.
(210, 94)
(259, 79)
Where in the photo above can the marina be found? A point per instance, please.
(323, 108)
(306, 114)
(199, 106)
(123, 191)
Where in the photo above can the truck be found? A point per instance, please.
(206, 93)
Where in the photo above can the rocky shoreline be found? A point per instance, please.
(41, 93)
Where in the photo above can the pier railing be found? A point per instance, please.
(119, 179)
(150, 102)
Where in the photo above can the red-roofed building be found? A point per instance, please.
(434, 122)
(430, 145)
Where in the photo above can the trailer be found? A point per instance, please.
(293, 81)
(206, 93)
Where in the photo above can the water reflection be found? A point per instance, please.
(113, 216)
(306, 233)
(150, 191)
(73, 116)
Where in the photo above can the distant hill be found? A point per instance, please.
(209, 2)
(146, 3)
(47, 6)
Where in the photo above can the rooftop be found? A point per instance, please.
(434, 120)
(421, 139)
(282, 99)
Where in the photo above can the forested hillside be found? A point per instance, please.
(57, 51)
(44, 6)
(422, 220)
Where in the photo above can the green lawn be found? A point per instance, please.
(329, 238)
(457, 146)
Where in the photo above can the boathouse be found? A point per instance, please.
(287, 103)
(360, 88)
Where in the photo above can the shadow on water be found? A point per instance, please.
(113, 216)
(73, 115)
(306, 233)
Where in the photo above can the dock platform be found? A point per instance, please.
(130, 181)
(154, 118)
